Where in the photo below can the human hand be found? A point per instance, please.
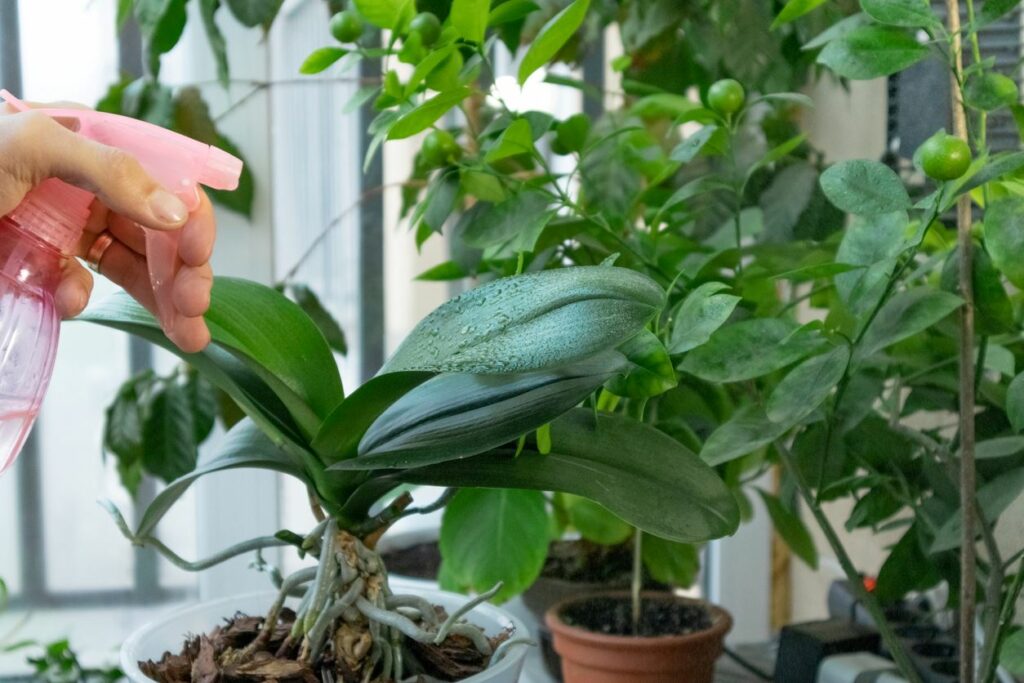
(34, 147)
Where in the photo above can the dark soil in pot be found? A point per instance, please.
(208, 658)
(678, 639)
(614, 616)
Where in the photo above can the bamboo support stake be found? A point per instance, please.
(968, 559)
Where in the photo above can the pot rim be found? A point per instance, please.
(514, 658)
(721, 623)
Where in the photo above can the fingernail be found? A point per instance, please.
(167, 208)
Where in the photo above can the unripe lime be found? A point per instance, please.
(945, 157)
(347, 26)
(726, 96)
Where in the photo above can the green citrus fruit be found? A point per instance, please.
(428, 26)
(726, 96)
(347, 26)
(945, 157)
(440, 148)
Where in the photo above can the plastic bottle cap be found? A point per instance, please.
(56, 213)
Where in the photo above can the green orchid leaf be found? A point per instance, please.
(533, 321)
(638, 473)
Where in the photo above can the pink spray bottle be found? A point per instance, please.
(45, 228)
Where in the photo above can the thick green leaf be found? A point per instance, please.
(426, 113)
(652, 373)
(341, 432)
(594, 522)
(207, 11)
(703, 311)
(791, 529)
(469, 17)
(911, 13)
(253, 13)
(202, 401)
(514, 225)
(640, 474)
(515, 140)
(864, 187)
(749, 349)
(552, 37)
(1004, 237)
(245, 446)
(994, 497)
(746, 431)
(321, 59)
(1015, 402)
(311, 305)
(873, 242)
(1011, 652)
(905, 315)
(872, 51)
(168, 434)
(675, 564)
(492, 535)
(532, 321)
(998, 447)
(794, 9)
(689, 148)
(247, 320)
(455, 416)
(388, 14)
(906, 569)
(807, 386)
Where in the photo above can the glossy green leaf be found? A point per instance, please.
(244, 318)
(807, 386)
(747, 430)
(510, 11)
(998, 447)
(1015, 403)
(640, 474)
(321, 59)
(531, 321)
(441, 201)
(864, 187)
(426, 113)
(652, 372)
(339, 436)
(552, 37)
(689, 148)
(989, 91)
(675, 564)
(311, 305)
(594, 522)
(122, 429)
(388, 14)
(455, 416)
(910, 13)
(905, 315)
(492, 535)
(254, 13)
(202, 400)
(874, 243)
(426, 66)
(994, 497)
(469, 17)
(999, 166)
(515, 140)
(1004, 237)
(168, 434)
(872, 51)
(794, 9)
(838, 30)
(749, 349)
(791, 529)
(906, 569)
(244, 447)
(703, 311)
(208, 11)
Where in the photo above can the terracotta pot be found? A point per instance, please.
(589, 657)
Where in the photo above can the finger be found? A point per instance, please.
(198, 235)
(124, 267)
(38, 148)
(129, 232)
(74, 289)
(192, 290)
(190, 334)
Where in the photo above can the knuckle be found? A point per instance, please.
(121, 167)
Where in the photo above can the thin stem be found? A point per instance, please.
(968, 559)
(638, 578)
(869, 601)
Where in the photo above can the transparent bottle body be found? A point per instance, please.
(29, 329)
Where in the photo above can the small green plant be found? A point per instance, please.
(498, 362)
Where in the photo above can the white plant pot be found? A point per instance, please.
(151, 641)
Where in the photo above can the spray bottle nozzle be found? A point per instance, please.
(177, 162)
